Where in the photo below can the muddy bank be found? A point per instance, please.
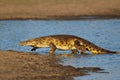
(28, 66)
(58, 9)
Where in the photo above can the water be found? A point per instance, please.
(104, 33)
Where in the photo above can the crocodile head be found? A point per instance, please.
(27, 43)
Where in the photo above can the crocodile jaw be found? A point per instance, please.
(22, 43)
(26, 43)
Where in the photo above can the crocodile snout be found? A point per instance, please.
(22, 43)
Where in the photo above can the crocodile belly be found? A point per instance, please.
(65, 47)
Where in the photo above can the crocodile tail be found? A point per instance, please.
(105, 51)
(108, 51)
(117, 52)
(113, 52)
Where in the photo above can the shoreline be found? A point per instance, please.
(28, 66)
(65, 18)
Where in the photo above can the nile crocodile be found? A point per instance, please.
(64, 42)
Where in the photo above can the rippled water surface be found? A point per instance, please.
(104, 33)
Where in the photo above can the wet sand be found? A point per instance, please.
(59, 9)
(16, 65)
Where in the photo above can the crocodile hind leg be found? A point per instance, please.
(74, 51)
(53, 48)
(79, 47)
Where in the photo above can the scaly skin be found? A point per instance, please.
(64, 42)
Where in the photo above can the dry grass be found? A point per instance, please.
(45, 9)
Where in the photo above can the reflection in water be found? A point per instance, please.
(72, 55)
(69, 71)
(86, 70)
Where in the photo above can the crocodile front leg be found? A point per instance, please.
(34, 48)
(53, 48)
(79, 47)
